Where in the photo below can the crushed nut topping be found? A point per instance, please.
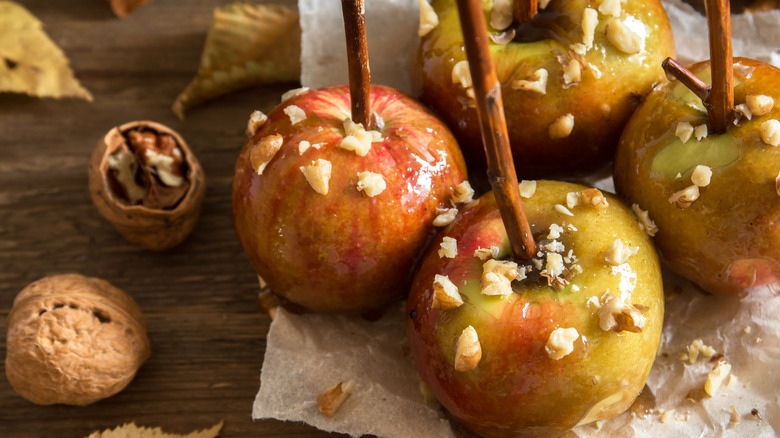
(330, 400)
(497, 276)
(578, 48)
(358, 139)
(623, 38)
(487, 253)
(352, 143)
(770, 132)
(734, 416)
(295, 113)
(594, 197)
(317, 174)
(701, 176)
(445, 216)
(370, 183)
(554, 266)
(668, 416)
(696, 347)
(572, 200)
(537, 82)
(572, 71)
(683, 131)
(264, 151)
(303, 146)
(590, 19)
(561, 127)
(561, 342)
(292, 93)
(593, 302)
(759, 104)
(619, 253)
(468, 351)
(461, 74)
(700, 132)
(428, 18)
(716, 376)
(463, 193)
(777, 184)
(501, 14)
(445, 294)
(616, 315)
(685, 197)
(555, 231)
(448, 247)
(256, 121)
(563, 210)
(645, 223)
(527, 188)
(740, 111)
(542, 4)
(610, 8)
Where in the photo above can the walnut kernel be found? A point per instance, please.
(445, 293)
(330, 400)
(317, 174)
(428, 18)
(561, 342)
(468, 351)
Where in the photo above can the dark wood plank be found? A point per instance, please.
(207, 336)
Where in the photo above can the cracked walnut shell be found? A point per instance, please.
(73, 340)
(145, 180)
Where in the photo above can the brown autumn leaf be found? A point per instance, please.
(123, 8)
(246, 45)
(30, 62)
(130, 430)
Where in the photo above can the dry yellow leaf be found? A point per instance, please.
(130, 430)
(123, 8)
(246, 45)
(30, 62)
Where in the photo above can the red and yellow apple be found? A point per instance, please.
(333, 216)
(571, 343)
(715, 199)
(570, 79)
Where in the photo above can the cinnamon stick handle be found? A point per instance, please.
(354, 12)
(490, 108)
(720, 104)
(524, 10)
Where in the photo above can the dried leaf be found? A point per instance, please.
(130, 430)
(123, 8)
(30, 62)
(247, 45)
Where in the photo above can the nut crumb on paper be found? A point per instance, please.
(330, 400)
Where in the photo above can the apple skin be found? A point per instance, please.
(600, 107)
(516, 389)
(728, 240)
(344, 252)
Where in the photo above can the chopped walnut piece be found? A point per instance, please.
(461, 74)
(487, 253)
(445, 216)
(537, 82)
(590, 19)
(468, 352)
(256, 121)
(777, 184)
(617, 315)
(593, 197)
(352, 143)
(668, 416)
(303, 146)
(759, 104)
(292, 93)
(445, 293)
(555, 231)
(715, 377)
(561, 342)
(317, 174)
(685, 197)
(619, 253)
(542, 4)
(562, 210)
(463, 193)
(295, 113)
(501, 14)
(623, 38)
(740, 111)
(770, 132)
(264, 151)
(696, 347)
(554, 265)
(330, 400)
(734, 416)
(428, 18)
(572, 200)
(645, 223)
(683, 131)
(701, 176)
(527, 188)
(497, 276)
(700, 132)
(572, 71)
(610, 8)
(561, 127)
(370, 183)
(448, 247)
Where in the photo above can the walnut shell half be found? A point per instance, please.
(73, 340)
(153, 206)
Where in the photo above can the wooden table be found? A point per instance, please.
(208, 338)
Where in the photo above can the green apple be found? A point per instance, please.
(571, 343)
(724, 235)
(333, 216)
(572, 123)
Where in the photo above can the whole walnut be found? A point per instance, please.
(73, 340)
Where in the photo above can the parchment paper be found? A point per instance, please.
(307, 354)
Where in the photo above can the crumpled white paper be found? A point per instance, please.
(309, 353)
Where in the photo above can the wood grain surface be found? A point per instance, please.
(208, 339)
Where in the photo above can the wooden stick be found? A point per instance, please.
(354, 12)
(524, 10)
(721, 99)
(682, 74)
(490, 108)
